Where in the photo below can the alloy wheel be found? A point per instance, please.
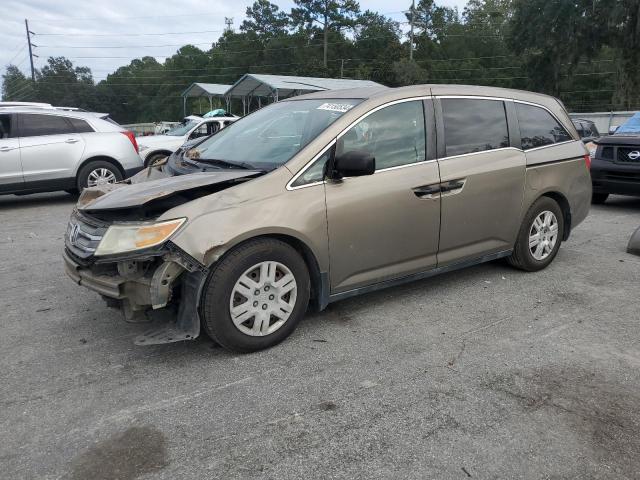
(100, 176)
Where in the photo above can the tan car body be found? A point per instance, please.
(362, 233)
(482, 220)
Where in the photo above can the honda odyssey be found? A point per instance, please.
(329, 195)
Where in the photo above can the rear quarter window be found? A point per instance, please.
(80, 126)
(538, 127)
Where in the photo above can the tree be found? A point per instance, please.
(551, 34)
(329, 14)
(265, 19)
(15, 85)
(60, 83)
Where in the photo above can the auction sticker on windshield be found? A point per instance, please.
(335, 107)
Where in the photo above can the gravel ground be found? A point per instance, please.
(483, 373)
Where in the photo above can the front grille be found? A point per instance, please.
(607, 153)
(83, 235)
(629, 155)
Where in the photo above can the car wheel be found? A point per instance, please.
(539, 237)
(154, 158)
(599, 198)
(255, 296)
(98, 173)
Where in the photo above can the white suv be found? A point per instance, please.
(43, 150)
(155, 147)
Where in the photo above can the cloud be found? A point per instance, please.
(71, 28)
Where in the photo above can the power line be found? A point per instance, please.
(126, 34)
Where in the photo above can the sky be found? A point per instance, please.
(130, 28)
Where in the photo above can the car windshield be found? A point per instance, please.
(271, 136)
(182, 129)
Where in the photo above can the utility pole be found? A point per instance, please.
(413, 8)
(29, 33)
(228, 21)
(342, 68)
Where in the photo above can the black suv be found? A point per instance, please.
(616, 167)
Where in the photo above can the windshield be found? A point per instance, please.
(182, 129)
(271, 136)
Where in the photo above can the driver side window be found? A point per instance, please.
(394, 135)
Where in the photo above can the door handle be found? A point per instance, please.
(6, 149)
(426, 191)
(71, 140)
(452, 186)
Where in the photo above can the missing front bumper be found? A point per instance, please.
(148, 296)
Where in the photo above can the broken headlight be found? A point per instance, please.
(124, 238)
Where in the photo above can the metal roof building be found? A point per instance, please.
(208, 90)
(277, 87)
(256, 87)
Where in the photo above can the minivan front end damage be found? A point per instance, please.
(116, 246)
(161, 283)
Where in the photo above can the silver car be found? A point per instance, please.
(43, 150)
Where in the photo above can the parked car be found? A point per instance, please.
(43, 150)
(586, 129)
(368, 188)
(588, 132)
(156, 147)
(616, 164)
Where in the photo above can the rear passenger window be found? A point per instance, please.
(33, 125)
(80, 126)
(474, 125)
(538, 127)
(394, 135)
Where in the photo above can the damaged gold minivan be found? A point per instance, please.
(324, 196)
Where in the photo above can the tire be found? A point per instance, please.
(154, 158)
(599, 198)
(97, 165)
(251, 332)
(522, 256)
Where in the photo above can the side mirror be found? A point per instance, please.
(355, 163)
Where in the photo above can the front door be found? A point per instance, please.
(386, 225)
(10, 166)
(483, 177)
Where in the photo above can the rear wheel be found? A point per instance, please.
(539, 237)
(255, 296)
(599, 198)
(98, 172)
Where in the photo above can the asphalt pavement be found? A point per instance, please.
(483, 373)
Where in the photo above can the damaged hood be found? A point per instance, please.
(123, 195)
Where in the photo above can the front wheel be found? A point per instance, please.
(540, 236)
(255, 296)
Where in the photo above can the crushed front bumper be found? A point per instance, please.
(164, 289)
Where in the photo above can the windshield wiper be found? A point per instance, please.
(226, 163)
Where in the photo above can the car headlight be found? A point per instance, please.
(136, 236)
(142, 148)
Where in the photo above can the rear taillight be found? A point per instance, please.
(132, 139)
(587, 161)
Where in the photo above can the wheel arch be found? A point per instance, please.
(100, 158)
(319, 280)
(565, 206)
